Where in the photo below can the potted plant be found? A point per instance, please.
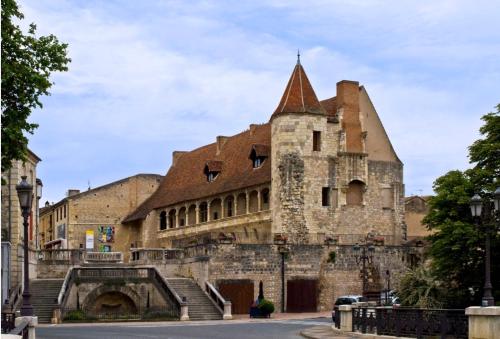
(266, 307)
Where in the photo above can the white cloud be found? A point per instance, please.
(149, 78)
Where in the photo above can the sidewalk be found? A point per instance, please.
(287, 316)
(325, 332)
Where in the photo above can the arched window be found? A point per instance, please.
(355, 193)
(163, 220)
(203, 212)
(171, 219)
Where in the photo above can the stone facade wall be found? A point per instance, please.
(85, 293)
(12, 220)
(260, 262)
(104, 206)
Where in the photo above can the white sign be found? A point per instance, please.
(89, 240)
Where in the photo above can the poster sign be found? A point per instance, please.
(89, 240)
(106, 234)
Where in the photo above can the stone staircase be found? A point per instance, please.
(200, 307)
(44, 293)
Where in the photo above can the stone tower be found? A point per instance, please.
(335, 175)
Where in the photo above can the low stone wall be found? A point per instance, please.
(262, 262)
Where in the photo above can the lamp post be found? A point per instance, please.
(39, 186)
(476, 207)
(364, 258)
(25, 194)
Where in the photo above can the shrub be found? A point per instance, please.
(266, 306)
(75, 315)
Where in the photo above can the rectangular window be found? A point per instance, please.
(316, 141)
(325, 196)
(65, 211)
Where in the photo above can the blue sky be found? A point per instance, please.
(151, 77)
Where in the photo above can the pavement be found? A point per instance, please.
(325, 332)
(279, 326)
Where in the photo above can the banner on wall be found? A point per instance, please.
(106, 234)
(89, 239)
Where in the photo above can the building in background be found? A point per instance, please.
(286, 201)
(12, 221)
(96, 214)
(416, 208)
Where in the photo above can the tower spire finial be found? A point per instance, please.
(298, 56)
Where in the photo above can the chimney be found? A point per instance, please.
(221, 140)
(348, 104)
(176, 155)
(72, 192)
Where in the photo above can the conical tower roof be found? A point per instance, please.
(299, 96)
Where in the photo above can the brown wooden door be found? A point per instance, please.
(301, 295)
(239, 292)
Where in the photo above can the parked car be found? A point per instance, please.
(391, 300)
(345, 300)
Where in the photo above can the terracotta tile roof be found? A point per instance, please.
(261, 150)
(330, 106)
(299, 96)
(214, 165)
(186, 179)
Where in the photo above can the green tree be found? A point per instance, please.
(27, 62)
(457, 247)
(421, 289)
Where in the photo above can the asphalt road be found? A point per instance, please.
(234, 329)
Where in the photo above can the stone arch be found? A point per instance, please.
(229, 206)
(253, 198)
(94, 300)
(203, 211)
(191, 215)
(171, 218)
(355, 191)
(216, 209)
(182, 216)
(264, 196)
(163, 220)
(242, 204)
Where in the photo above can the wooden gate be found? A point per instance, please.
(301, 295)
(239, 292)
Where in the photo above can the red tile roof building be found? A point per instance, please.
(318, 170)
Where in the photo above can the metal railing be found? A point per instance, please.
(410, 322)
(8, 321)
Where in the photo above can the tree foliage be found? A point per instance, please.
(419, 288)
(457, 246)
(27, 62)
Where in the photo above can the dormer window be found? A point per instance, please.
(212, 169)
(211, 176)
(259, 154)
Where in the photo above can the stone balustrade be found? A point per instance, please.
(115, 257)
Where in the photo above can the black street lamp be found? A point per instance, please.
(25, 194)
(364, 258)
(476, 207)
